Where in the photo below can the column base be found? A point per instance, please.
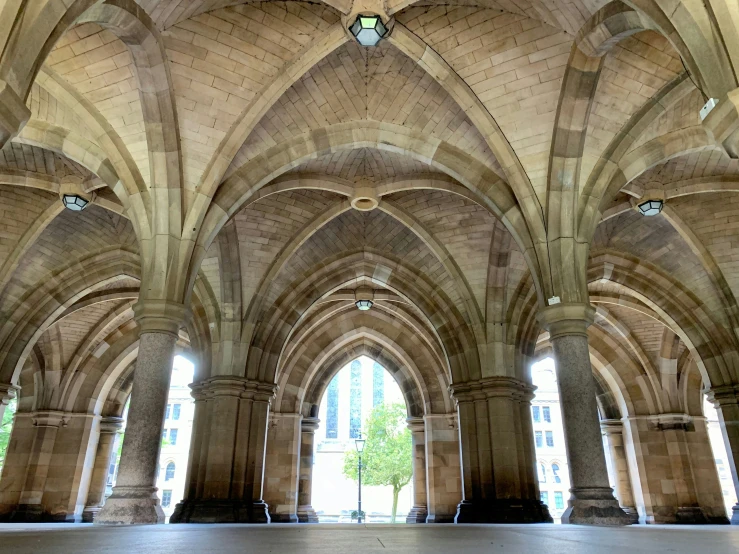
(735, 514)
(306, 514)
(90, 513)
(131, 506)
(502, 511)
(595, 506)
(418, 514)
(220, 511)
(34, 513)
(283, 518)
(440, 518)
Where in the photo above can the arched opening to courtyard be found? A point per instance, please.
(362, 401)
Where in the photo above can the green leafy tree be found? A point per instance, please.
(387, 457)
(5, 427)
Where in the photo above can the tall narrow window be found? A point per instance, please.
(539, 439)
(164, 434)
(176, 412)
(355, 400)
(166, 498)
(547, 414)
(559, 501)
(378, 384)
(550, 438)
(542, 473)
(537, 414)
(167, 414)
(544, 496)
(332, 409)
(555, 472)
(169, 472)
(173, 437)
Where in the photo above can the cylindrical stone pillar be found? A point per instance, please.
(109, 429)
(726, 400)
(419, 511)
(613, 429)
(591, 500)
(134, 499)
(306, 513)
(7, 393)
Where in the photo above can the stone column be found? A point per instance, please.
(134, 499)
(443, 468)
(110, 427)
(591, 500)
(419, 511)
(282, 466)
(46, 425)
(726, 400)
(226, 468)
(306, 513)
(496, 484)
(613, 429)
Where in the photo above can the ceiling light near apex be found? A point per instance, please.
(368, 29)
(363, 305)
(650, 207)
(74, 202)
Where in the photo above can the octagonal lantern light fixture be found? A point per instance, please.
(368, 29)
(74, 202)
(363, 305)
(650, 207)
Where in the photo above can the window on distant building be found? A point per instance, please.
(547, 414)
(550, 438)
(542, 473)
(166, 498)
(176, 412)
(544, 496)
(169, 473)
(537, 415)
(559, 502)
(332, 409)
(539, 439)
(378, 384)
(355, 400)
(164, 434)
(555, 471)
(167, 414)
(173, 437)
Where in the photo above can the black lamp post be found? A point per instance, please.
(359, 442)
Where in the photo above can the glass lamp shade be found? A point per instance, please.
(74, 202)
(368, 29)
(650, 207)
(360, 444)
(363, 305)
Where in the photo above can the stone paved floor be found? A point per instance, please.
(329, 539)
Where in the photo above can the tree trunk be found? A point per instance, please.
(396, 492)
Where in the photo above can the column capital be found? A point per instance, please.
(566, 319)
(230, 385)
(611, 426)
(50, 418)
(723, 395)
(416, 424)
(160, 316)
(449, 420)
(309, 424)
(491, 387)
(111, 424)
(7, 393)
(13, 113)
